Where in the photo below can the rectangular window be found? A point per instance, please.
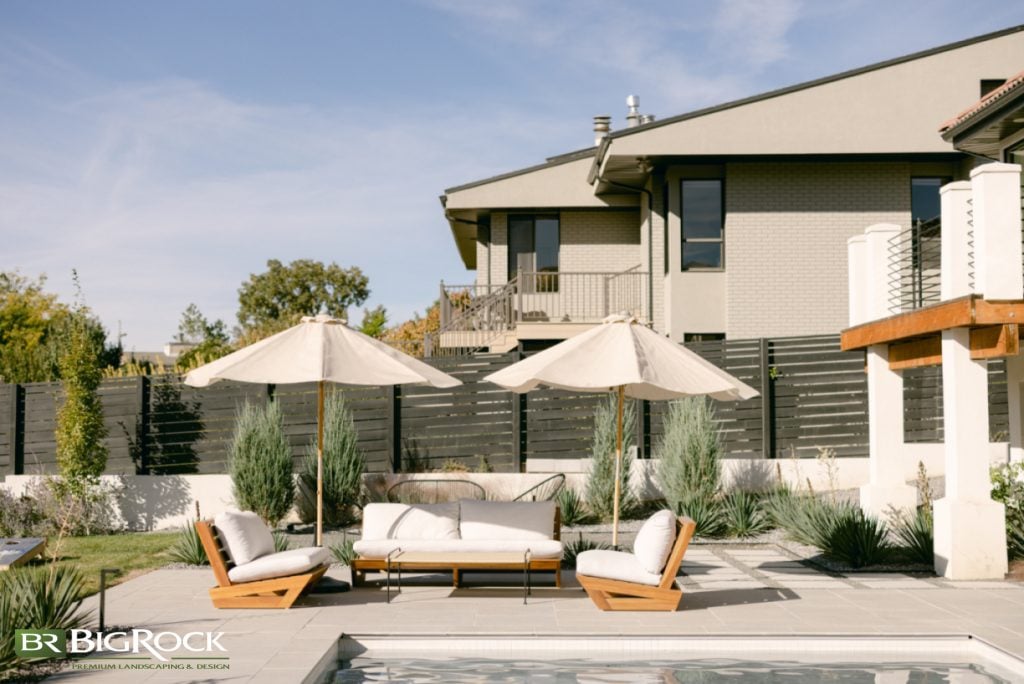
(703, 224)
(703, 337)
(533, 246)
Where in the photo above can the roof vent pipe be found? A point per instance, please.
(633, 117)
(646, 119)
(602, 126)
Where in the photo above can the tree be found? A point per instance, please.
(81, 454)
(211, 340)
(409, 335)
(276, 299)
(375, 322)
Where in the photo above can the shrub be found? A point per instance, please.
(38, 598)
(578, 546)
(571, 506)
(188, 548)
(19, 516)
(343, 552)
(856, 538)
(743, 515)
(600, 488)
(81, 454)
(88, 508)
(689, 471)
(915, 534)
(261, 463)
(281, 541)
(343, 467)
(1008, 489)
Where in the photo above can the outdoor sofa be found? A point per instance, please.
(462, 527)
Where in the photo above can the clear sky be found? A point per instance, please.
(166, 150)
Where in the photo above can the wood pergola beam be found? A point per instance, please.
(970, 311)
(990, 342)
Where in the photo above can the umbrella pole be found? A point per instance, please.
(618, 469)
(320, 464)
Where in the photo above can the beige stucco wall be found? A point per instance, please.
(895, 109)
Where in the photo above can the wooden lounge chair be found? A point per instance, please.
(619, 593)
(275, 592)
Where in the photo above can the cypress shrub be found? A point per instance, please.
(343, 467)
(689, 471)
(261, 463)
(600, 489)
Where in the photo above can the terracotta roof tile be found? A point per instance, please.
(1011, 84)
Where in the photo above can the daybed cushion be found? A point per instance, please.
(411, 521)
(281, 564)
(246, 537)
(380, 548)
(511, 520)
(615, 565)
(654, 541)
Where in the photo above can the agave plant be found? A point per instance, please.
(188, 548)
(281, 541)
(343, 552)
(707, 513)
(743, 514)
(571, 507)
(578, 546)
(857, 539)
(915, 534)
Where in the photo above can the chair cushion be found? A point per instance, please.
(654, 541)
(246, 537)
(519, 520)
(281, 564)
(380, 548)
(411, 521)
(616, 565)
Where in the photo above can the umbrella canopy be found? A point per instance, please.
(320, 349)
(622, 354)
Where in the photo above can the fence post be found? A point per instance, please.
(142, 426)
(767, 402)
(519, 294)
(16, 466)
(394, 432)
(519, 422)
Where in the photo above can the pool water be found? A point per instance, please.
(590, 671)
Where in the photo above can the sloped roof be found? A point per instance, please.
(1012, 85)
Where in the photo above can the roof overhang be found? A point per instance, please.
(983, 128)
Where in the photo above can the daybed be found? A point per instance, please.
(463, 526)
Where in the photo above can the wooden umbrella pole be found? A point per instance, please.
(320, 464)
(618, 469)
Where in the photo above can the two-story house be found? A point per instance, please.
(729, 221)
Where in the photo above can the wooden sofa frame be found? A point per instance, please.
(361, 565)
(279, 592)
(608, 594)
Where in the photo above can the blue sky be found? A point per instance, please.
(167, 150)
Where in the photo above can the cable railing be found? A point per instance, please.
(915, 266)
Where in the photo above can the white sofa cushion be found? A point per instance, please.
(511, 520)
(281, 564)
(380, 548)
(615, 565)
(654, 541)
(411, 521)
(246, 537)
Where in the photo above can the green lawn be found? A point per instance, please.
(133, 553)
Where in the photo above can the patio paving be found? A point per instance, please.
(727, 591)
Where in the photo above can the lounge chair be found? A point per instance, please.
(644, 579)
(249, 573)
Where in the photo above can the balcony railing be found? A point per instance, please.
(915, 263)
(474, 316)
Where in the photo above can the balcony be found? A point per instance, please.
(533, 305)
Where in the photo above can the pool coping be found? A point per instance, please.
(623, 646)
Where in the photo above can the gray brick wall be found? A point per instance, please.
(785, 236)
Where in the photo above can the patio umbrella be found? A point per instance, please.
(320, 349)
(627, 357)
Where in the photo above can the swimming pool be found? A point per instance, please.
(562, 659)
(587, 671)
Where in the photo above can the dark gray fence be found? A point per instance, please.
(812, 396)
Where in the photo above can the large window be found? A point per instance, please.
(703, 224)
(533, 243)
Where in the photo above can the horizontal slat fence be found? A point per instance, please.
(814, 396)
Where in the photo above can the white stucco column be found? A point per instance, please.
(970, 532)
(995, 190)
(857, 279)
(887, 486)
(956, 239)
